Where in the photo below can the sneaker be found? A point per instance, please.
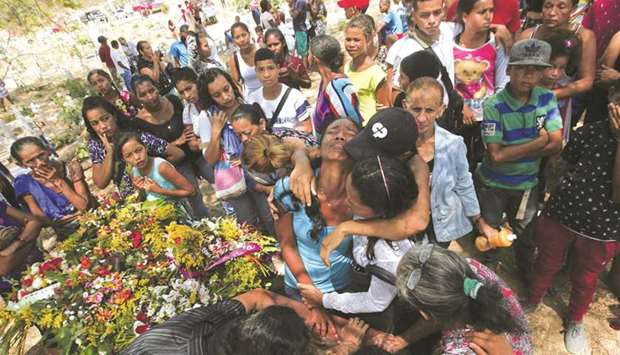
(575, 338)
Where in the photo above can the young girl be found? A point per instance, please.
(479, 68)
(241, 63)
(479, 64)
(565, 56)
(221, 95)
(123, 100)
(53, 192)
(367, 76)
(154, 175)
(376, 188)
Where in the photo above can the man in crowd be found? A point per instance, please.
(105, 55)
(121, 63)
(429, 33)
(178, 50)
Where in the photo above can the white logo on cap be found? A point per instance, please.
(379, 131)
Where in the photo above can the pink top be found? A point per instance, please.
(603, 20)
(479, 73)
(453, 341)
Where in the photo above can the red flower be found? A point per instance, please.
(142, 328)
(142, 317)
(177, 240)
(50, 265)
(136, 238)
(85, 262)
(103, 270)
(27, 282)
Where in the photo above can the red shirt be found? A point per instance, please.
(506, 14)
(603, 20)
(106, 56)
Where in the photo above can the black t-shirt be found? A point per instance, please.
(171, 130)
(583, 200)
(165, 84)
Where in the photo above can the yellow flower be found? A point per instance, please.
(229, 229)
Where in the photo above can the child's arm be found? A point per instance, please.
(508, 153)
(184, 187)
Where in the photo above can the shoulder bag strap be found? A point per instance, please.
(382, 274)
(276, 113)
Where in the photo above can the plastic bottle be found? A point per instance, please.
(503, 239)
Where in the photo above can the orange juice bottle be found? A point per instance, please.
(503, 239)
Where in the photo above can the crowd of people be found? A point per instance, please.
(442, 120)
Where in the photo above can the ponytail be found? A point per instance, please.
(266, 153)
(442, 284)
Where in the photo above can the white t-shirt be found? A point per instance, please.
(295, 110)
(442, 48)
(379, 294)
(200, 122)
(118, 56)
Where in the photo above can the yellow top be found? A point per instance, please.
(366, 83)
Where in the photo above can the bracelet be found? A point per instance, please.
(77, 180)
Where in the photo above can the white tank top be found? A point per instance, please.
(248, 73)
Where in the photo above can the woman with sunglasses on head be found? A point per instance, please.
(378, 187)
(459, 297)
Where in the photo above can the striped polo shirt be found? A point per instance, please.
(509, 122)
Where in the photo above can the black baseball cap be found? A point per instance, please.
(390, 132)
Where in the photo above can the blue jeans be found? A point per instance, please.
(126, 75)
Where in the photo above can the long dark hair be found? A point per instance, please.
(251, 112)
(440, 294)
(241, 25)
(104, 74)
(277, 33)
(464, 7)
(94, 102)
(209, 76)
(123, 139)
(386, 185)
(564, 43)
